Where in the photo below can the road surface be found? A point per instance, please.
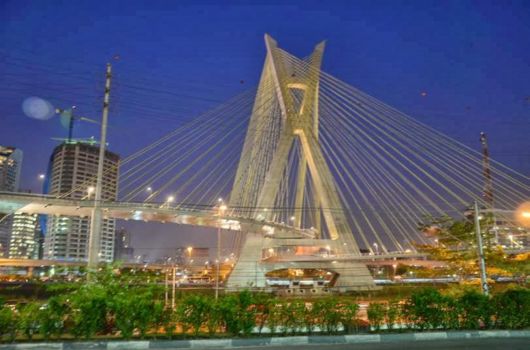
(464, 344)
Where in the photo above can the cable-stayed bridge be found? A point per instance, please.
(313, 172)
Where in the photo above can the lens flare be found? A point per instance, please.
(37, 108)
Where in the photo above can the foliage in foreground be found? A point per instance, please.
(119, 306)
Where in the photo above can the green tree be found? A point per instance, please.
(89, 310)
(51, 317)
(377, 313)
(265, 305)
(193, 312)
(8, 322)
(28, 321)
(239, 313)
(475, 310)
(424, 309)
(393, 313)
(512, 309)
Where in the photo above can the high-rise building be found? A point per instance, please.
(23, 244)
(73, 170)
(122, 246)
(10, 165)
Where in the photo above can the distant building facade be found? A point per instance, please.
(10, 166)
(24, 240)
(193, 256)
(122, 246)
(73, 170)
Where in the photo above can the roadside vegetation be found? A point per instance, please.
(119, 305)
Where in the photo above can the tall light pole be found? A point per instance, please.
(222, 208)
(480, 251)
(96, 219)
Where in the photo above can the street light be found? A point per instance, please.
(522, 214)
(42, 176)
(90, 190)
(376, 247)
(169, 200)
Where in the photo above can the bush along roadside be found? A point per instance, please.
(117, 306)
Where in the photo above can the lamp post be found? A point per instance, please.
(480, 251)
(89, 192)
(222, 209)
(170, 199)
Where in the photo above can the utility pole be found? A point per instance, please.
(166, 284)
(96, 219)
(486, 171)
(480, 252)
(488, 183)
(222, 208)
(174, 271)
(218, 259)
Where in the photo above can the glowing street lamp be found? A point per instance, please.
(522, 214)
(42, 177)
(90, 190)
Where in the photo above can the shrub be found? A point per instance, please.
(275, 315)
(238, 313)
(8, 323)
(134, 311)
(392, 314)
(28, 321)
(193, 311)
(264, 307)
(349, 316)
(512, 309)
(51, 317)
(376, 315)
(89, 310)
(215, 317)
(334, 314)
(474, 310)
(423, 309)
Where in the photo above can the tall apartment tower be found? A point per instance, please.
(24, 240)
(73, 169)
(10, 166)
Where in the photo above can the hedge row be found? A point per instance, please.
(96, 310)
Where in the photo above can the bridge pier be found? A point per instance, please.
(250, 270)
